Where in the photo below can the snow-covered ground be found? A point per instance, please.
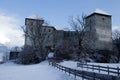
(114, 65)
(41, 71)
(73, 65)
(70, 64)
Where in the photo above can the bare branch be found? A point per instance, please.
(79, 25)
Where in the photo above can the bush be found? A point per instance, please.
(60, 54)
(103, 56)
(28, 56)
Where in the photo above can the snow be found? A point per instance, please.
(41, 71)
(101, 12)
(35, 17)
(73, 65)
(70, 64)
(51, 55)
(114, 65)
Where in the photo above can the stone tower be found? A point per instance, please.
(30, 23)
(99, 23)
(44, 32)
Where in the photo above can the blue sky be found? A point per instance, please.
(57, 12)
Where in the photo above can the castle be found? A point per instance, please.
(98, 23)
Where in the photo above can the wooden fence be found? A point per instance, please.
(84, 74)
(108, 70)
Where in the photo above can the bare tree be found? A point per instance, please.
(116, 35)
(64, 50)
(36, 36)
(116, 40)
(79, 25)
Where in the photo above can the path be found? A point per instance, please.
(42, 71)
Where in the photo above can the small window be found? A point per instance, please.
(45, 34)
(44, 30)
(103, 18)
(48, 36)
(49, 30)
(90, 20)
(68, 34)
(31, 23)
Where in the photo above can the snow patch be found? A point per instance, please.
(101, 12)
(51, 55)
(35, 17)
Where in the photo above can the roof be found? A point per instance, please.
(100, 12)
(35, 17)
(49, 27)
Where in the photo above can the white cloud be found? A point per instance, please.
(116, 28)
(10, 34)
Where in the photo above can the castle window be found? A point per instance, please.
(49, 30)
(31, 23)
(103, 18)
(48, 36)
(90, 21)
(67, 35)
(44, 30)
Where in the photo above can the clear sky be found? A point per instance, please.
(57, 12)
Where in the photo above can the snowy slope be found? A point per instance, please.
(42, 71)
(73, 65)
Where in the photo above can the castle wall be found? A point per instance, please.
(98, 28)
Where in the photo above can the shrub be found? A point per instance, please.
(28, 56)
(103, 56)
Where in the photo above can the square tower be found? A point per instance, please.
(31, 24)
(99, 23)
(38, 34)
